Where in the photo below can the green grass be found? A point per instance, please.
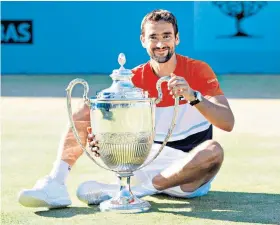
(246, 190)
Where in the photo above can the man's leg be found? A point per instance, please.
(69, 150)
(51, 191)
(190, 173)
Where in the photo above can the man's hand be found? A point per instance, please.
(178, 86)
(93, 143)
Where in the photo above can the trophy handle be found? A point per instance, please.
(69, 108)
(173, 122)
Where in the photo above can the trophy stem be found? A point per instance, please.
(124, 201)
(124, 182)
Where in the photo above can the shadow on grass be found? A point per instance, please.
(68, 212)
(226, 206)
(217, 205)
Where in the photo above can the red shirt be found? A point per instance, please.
(198, 74)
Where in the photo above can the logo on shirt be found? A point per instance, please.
(212, 80)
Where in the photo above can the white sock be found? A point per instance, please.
(60, 171)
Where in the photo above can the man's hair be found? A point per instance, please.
(160, 15)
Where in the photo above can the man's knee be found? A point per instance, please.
(81, 118)
(210, 153)
(216, 149)
(208, 158)
(82, 113)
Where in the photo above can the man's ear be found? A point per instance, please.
(177, 39)
(142, 39)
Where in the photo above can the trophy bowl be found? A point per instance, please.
(122, 118)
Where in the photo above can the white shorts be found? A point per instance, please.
(166, 158)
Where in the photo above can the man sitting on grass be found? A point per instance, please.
(190, 161)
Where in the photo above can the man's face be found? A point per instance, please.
(159, 40)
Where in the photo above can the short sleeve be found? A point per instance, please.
(206, 80)
(137, 78)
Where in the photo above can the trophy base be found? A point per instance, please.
(125, 202)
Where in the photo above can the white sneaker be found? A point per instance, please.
(47, 192)
(93, 193)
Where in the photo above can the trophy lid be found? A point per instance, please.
(122, 87)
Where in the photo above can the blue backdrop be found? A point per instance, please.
(86, 37)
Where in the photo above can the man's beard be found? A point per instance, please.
(162, 59)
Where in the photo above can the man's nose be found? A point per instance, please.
(159, 44)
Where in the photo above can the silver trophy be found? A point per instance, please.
(123, 121)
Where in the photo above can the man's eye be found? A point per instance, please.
(166, 36)
(153, 37)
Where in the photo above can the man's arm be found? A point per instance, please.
(217, 111)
